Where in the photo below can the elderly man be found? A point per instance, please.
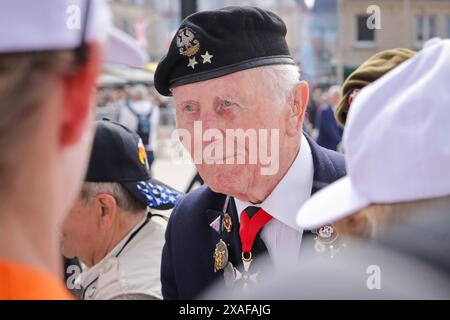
(48, 71)
(110, 229)
(230, 69)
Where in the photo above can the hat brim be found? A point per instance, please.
(330, 204)
(123, 49)
(153, 193)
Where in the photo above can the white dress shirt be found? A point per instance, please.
(281, 235)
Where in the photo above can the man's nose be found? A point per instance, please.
(210, 120)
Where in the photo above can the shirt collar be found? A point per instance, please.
(291, 192)
(89, 274)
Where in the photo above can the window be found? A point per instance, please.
(363, 33)
(448, 26)
(425, 28)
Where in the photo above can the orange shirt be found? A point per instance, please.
(22, 282)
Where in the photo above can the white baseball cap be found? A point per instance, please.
(397, 141)
(30, 25)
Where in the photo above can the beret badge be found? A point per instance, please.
(186, 42)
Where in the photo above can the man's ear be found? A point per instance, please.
(78, 92)
(106, 210)
(298, 103)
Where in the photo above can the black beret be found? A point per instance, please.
(211, 44)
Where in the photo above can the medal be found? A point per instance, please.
(227, 222)
(247, 278)
(229, 274)
(220, 256)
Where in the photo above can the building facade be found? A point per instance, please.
(401, 23)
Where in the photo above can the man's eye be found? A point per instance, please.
(227, 103)
(189, 108)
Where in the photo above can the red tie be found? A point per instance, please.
(252, 220)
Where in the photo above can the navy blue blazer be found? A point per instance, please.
(187, 266)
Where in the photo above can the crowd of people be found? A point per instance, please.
(80, 188)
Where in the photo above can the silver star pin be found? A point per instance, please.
(207, 57)
(192, 63)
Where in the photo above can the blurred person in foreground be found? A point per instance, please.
(388, 221)
(48, 76)
(110, 228)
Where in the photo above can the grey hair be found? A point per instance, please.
(282, 78)
(125, 200)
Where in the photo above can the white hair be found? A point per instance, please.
(282, 79)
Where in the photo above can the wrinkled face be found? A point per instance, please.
(240, 100)
(81, 232)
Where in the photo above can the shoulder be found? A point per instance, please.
(136, 270)
(337, 160)
(195, 203)
(329, 165)
(189, 219)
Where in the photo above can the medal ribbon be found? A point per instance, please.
(252, 220)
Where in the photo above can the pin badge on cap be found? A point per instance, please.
(142, 154)
(189, 46)
(186, 42)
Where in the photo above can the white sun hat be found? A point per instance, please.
(397, 141)
(30, 25)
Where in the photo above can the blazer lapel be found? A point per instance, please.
(232, 238)
(325, 171)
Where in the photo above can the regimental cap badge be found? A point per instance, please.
(186, 42)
